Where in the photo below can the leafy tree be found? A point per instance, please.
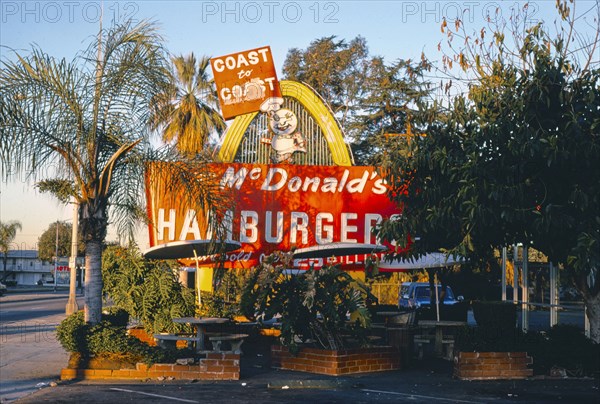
(389, 106)
(514, 160)
(47, 242)
(89, 119)
(8, 232)
(335, 68)
(187, 112)
(369, 97)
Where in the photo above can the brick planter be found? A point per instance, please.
(336, 363)
(216, 366)
(492, 365)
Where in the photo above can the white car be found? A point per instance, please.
(2, 289)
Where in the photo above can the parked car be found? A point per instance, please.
(2, 289)
(418, 295)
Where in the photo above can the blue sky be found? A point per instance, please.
(393, 29)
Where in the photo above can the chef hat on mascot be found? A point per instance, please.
(270, 105)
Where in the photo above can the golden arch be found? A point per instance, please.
(315, 106)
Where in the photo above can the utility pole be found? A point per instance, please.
(72, 306)
(56, 258)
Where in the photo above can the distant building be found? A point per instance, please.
(25, 268)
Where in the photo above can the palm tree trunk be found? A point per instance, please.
(93, 281)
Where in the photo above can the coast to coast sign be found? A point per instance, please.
(278, 207)
(244, 80)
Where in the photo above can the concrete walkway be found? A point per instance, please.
(30, 355)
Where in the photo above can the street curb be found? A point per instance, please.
(35, 290)
(309, 384)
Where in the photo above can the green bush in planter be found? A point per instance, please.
(106, 337)
(313, 304)
(149, 290)
(72, 333)
(496, 329)
(566, 347)
(490, 339)
(115, 316)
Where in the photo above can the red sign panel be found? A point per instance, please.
(244, 80)
(277, 207)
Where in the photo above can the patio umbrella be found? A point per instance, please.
(337, 250)
(429, 260)
(190, 249)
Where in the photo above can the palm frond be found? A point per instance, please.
(186, 113)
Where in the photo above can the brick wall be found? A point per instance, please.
(335, 363)
(216, 366)
(492, 365)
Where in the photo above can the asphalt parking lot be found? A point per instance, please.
(429, 381)
(31, 359)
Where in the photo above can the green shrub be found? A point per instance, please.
(148, 290)
(215, 305)
(313, 304)
(72, 333)
(115, 316)
(496, 329)
(224, 301)
(76, 336)
(104, 337)
(491, 339)
(565, 346)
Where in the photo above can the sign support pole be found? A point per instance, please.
(72, 306)
(437, 297)
(504, 258)
(197, 280)
(515, 274)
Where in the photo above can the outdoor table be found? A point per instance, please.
(200, 323)
(440, 327)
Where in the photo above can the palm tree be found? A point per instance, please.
(8, 232)
(88, 120)
(187, 113)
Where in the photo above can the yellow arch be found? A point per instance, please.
(311, 101)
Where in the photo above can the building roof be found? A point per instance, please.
(28, 254)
